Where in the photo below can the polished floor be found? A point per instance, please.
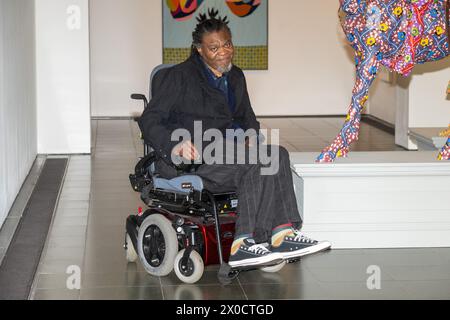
(87, 232)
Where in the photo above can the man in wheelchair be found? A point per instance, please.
(207, 89)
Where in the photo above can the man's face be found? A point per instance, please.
(217, 50)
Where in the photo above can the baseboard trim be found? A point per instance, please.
(112, 118)
(378, 123)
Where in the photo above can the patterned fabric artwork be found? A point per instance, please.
(184, 9)
(397, 34)
(248, 23)
(243, 8)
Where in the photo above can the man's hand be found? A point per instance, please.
(186, 150)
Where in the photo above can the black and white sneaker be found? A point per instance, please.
(295, 244)
(251, 254)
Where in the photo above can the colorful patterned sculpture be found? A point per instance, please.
(397, 34)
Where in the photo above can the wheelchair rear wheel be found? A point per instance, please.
(157, 245)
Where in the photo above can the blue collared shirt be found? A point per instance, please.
(222, 83)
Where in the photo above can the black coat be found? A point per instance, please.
(183, 95)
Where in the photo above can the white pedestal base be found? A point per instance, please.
(375, 199)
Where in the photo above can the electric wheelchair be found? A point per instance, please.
(185, 227)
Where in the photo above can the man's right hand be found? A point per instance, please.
(186, 150)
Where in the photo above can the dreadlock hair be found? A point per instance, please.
(206, 25)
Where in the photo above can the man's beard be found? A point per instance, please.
(225, 69)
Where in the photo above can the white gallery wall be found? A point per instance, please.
(63, 93)
(382, 98)
(125, 44)
(17, 98)
(426, 99)
(310, 72)
(428, 102)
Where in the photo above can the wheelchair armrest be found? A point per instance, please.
(145, 162)
(138, 96)
(140, 177)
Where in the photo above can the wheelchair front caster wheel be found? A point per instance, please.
(191, 271)
(275, 268)
(131, 254)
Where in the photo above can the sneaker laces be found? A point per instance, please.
(302, 238)
(259, 249)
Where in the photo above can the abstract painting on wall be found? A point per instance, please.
(247, 21)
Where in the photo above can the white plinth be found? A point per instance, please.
(375, 199)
